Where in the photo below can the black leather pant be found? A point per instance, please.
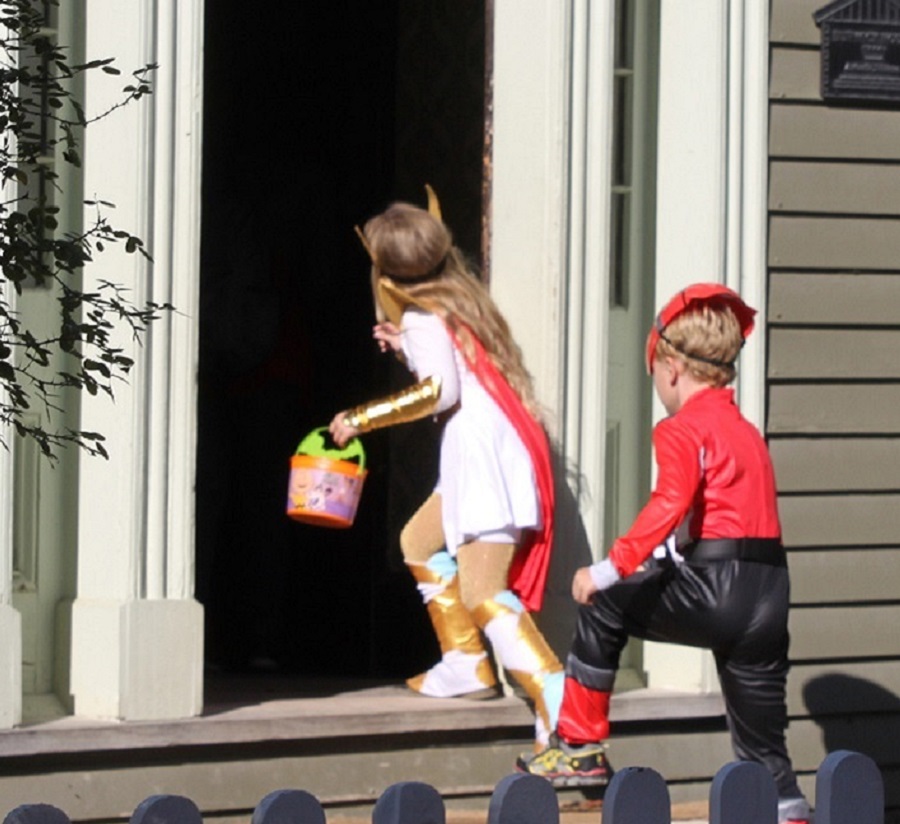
(736, 608)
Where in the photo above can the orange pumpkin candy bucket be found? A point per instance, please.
(326, 483)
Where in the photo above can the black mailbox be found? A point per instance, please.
(860, 50)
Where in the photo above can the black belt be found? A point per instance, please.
(760, 550)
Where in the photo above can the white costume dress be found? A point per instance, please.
(486, 482)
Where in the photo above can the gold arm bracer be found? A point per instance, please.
(417, 401)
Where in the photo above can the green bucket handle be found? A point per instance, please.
(314, 445)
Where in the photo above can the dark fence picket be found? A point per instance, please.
(289, 807)
(743, 792)
(849, 790)
(523, 799)
(409, 802)
(637, 795)
(166, 809)
(36, 814)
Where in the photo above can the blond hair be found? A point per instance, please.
(416, 251)
(707, 340)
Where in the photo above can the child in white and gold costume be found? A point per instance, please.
(479, 546)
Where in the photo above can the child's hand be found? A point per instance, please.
(387, 335)
(583, 586)
(591, 579)
(340, 430)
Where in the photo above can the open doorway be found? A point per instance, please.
(316, 116)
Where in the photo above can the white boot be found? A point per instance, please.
(457, 675)
(464, 670)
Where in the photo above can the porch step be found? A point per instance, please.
(344, 742)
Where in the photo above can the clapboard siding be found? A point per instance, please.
(815, 131)
(833, 412)
(835, 464)
(841, 520)
(832, 354)
(835, 188)
(809, 741)
(794, 74)
(845, 575)
(850, 409)
(834, 298)
(848, 243)
(837, 632)
(792, 21)
(827, 689)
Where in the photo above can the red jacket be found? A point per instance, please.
(715, 469)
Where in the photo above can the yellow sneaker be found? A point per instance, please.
(568, 765)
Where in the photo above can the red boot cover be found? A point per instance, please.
(583, 715)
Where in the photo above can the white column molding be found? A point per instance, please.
(587, 302)
(117, 161)
(185, 292)
(712, 162)
(10, 620)
(528, 205)
(529, 231)
(747, 274)
(691, 213)
(134, 610)
(550, 217)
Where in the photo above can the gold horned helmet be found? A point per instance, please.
(403, 266)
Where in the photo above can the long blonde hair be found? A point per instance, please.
(416, 251)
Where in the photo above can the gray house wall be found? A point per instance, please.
(834, 399)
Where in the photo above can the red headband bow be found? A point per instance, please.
(692, 297)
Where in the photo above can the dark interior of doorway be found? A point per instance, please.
(316, 116)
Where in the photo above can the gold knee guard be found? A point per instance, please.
(522, 650)
(452, 624)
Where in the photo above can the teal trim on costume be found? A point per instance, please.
(509, 600)
(553, 694)
(442, 564)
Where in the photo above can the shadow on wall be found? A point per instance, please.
(859, 715)
(571, 550)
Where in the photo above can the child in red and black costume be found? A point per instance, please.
(702, 564)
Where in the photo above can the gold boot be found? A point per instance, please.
(526, 655)
(464, 670)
